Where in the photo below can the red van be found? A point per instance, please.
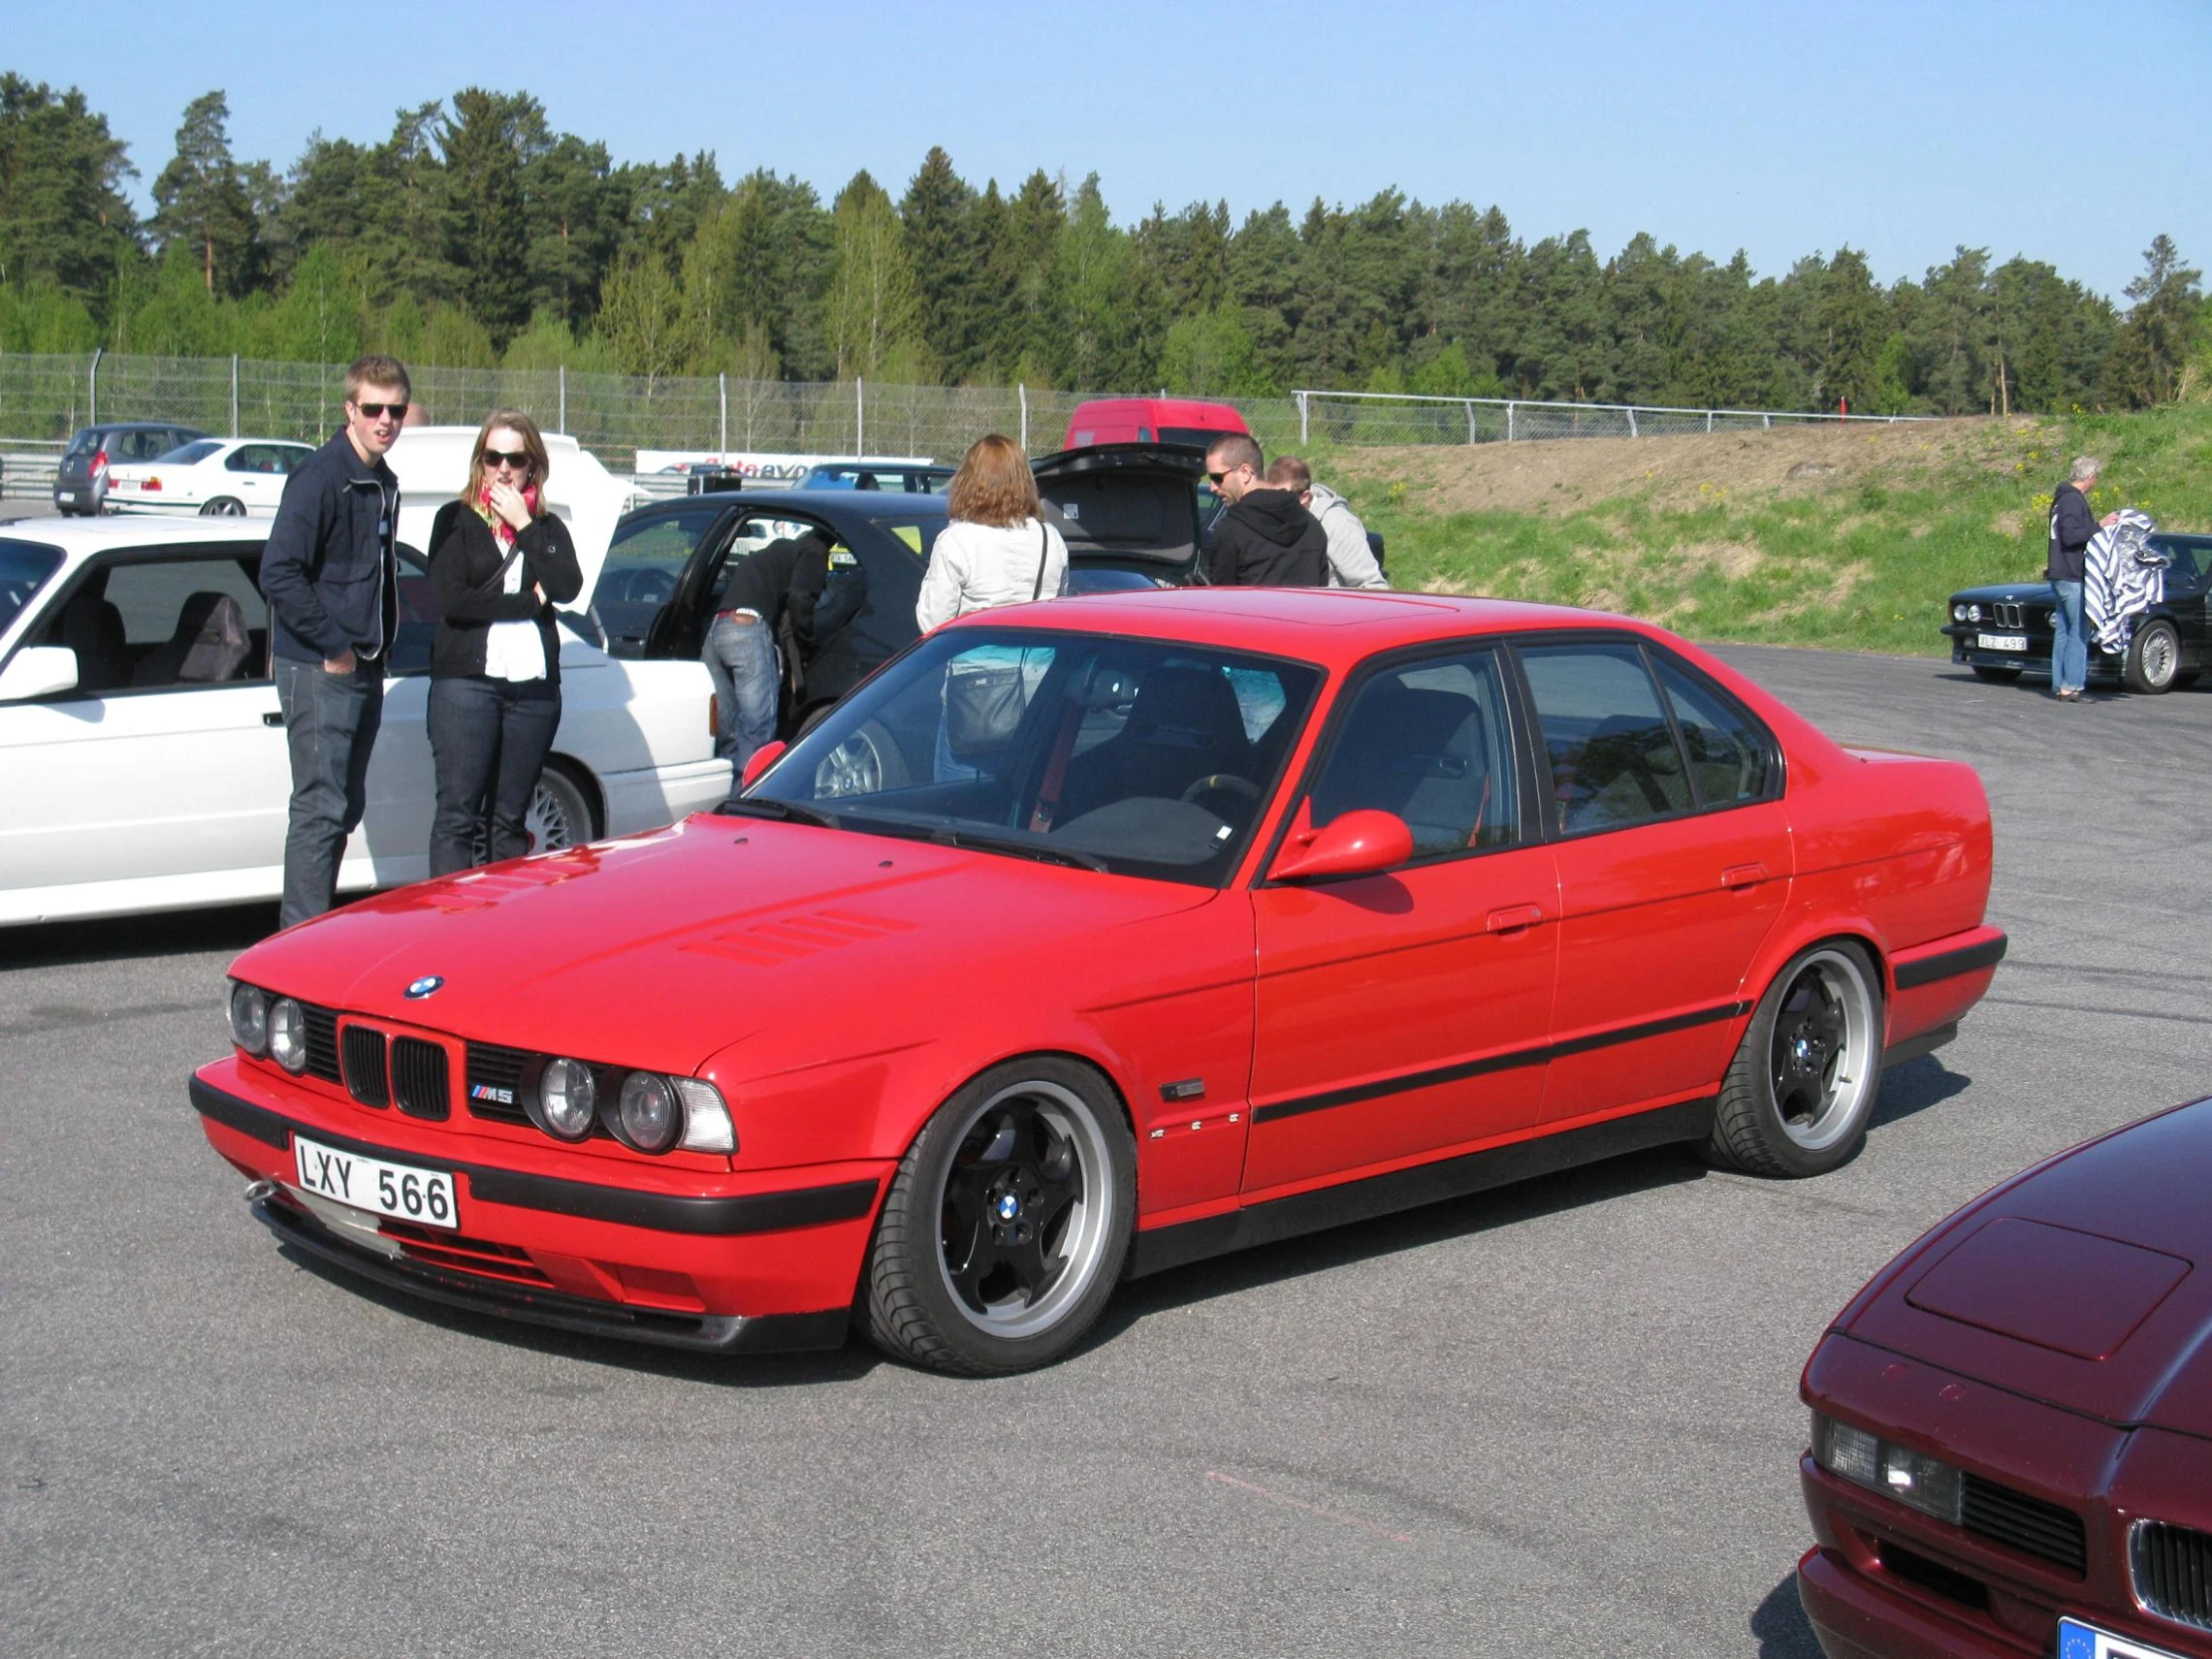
(1185, 421)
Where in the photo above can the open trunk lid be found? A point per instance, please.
(1126, 506)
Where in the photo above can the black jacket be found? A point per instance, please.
(1267, 540)
(784, 574)
(2072, 523)
(466, 563)
(329, 568)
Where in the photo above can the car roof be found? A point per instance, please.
(81, 538)
(1335, 627)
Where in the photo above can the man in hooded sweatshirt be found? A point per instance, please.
(1264, 538)
(1351, 558)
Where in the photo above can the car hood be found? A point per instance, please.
(663, 949)
(2085, 1282)
(2009, 593)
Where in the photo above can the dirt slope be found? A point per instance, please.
(1562, 474)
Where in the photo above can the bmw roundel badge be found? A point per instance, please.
(424, 986)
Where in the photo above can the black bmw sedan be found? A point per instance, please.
(2003, 631)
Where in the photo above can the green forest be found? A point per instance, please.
(477, 236)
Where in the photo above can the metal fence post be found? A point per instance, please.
(92, 387)
(1767, 421)
(1303, 409)
(859, 424)
(1022, 393)
(722, 388)
(1632, 422)
(561, 373)
(1509, 423)
(1708, 421)
(233, 394)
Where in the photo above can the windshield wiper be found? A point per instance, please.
(1038, 851)
(760, 806)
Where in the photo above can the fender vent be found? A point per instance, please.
(2026, 1523)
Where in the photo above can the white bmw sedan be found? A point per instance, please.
(215, 477)
(143, 751)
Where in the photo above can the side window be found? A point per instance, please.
(165, 624)
(1605, 736)
(1430, 743)
(1731, 759)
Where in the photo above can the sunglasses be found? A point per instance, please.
(519, 460)
(377, 412)
(1215, 478)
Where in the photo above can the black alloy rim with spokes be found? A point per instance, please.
(1809, 1034)
(1014, 1187)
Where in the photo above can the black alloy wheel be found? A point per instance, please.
(1802, 1088)
(1006, 1225)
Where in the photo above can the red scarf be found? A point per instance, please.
(503, 532)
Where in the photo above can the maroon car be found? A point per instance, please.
(2012, 1422)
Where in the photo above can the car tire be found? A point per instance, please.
(962, 1275)
(1801, 1089)
(561, 813)
(866, 763)
(2153, 661)
(1996, 672)
(222, 506)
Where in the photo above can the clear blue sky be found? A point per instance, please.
(2071, 133)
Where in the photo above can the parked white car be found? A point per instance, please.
(144, 758)
(218, 477)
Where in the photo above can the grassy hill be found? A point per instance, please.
(1847, 536)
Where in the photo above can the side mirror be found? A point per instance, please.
(1354, 843)
(38, 671)
(762, 759)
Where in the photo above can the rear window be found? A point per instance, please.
(189, 454)
(1195, 437)
(83, 444)
(23, 568)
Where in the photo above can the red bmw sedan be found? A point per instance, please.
(2012, 1422)
(1092, 937)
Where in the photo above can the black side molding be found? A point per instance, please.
(1927, 1042)
(1379, 1195)
(1950, 964)
(662, 1212)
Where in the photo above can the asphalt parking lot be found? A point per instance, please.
(1558, 1419)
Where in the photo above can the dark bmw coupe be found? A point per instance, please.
(2003, 631)
(2011, 1448)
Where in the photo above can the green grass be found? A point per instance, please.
(1865, 565)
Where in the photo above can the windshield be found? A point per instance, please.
(1138, 757)
(23, 568)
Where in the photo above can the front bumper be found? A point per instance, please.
(2034, 660)
(728, 1262)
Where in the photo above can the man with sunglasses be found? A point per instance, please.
(1263, 537)
(330, 574)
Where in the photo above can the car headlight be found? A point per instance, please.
(646, 1116)
(287, 1034)
(1913, 1477)
(707, 1125)
(1974, 612)
(565, 1099)
(1958, 613)
(250, 1017)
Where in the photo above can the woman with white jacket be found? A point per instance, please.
(994, 550)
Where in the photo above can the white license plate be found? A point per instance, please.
(66, 495)
(2001, 642)
(2085, 1641)
(425, 1196)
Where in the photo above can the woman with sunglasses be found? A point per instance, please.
(501, 560)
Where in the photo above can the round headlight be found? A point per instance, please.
(647, 1116)
(1958, 613)
(566, 1097)
(1974, 612)
(249, 1018)
(287, 1034)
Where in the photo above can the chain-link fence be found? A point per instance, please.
(44, 398)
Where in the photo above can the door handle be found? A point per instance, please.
(1515, 918)
(273, 717)
(1743, 875)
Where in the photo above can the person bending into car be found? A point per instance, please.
(329, 573)
(501, 560)
(1351, 559)
(1264, 538)
(762, 594)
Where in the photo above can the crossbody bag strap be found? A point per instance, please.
(1044, 551)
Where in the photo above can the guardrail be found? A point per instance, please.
(27, 467)
(1391, 417)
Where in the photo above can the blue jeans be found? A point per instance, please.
(741, 659)
(2069, 645)
(489, 739)
(331, 723)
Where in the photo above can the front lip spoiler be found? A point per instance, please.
(731, 1217)
(703, 1333)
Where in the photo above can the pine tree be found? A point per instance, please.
(938, 217)
(62, 217)
(2156, 340)
(200, 204)
(487, 144)
(874, 311)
